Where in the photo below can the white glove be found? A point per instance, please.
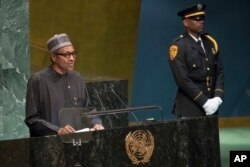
(208, 107)
(217, 100)
(212, 105)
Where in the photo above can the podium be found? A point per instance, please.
(176, 143)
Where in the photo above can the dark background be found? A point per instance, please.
(226, 21)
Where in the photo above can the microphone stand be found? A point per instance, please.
(103, 108)
(125, 110)
(123, 103)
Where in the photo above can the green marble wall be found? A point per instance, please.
(14, 69)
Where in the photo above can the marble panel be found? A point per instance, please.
(108, 95)
(14, 67)
(1, 96)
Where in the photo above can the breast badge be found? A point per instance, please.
(173, 50)
(139, 146)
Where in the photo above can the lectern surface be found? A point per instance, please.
(190, 142)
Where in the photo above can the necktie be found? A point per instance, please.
(199, 43)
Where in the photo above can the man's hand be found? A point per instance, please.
(97, 127)
(208, 107)
(66, 130)
(217, 100)
(212, 105)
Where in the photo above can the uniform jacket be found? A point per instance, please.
(198, 74)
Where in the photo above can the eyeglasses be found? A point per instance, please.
(67, 54)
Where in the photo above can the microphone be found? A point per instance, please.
(99, 99)
(102, 107)
(123, 103)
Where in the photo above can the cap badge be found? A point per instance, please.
(199, 6)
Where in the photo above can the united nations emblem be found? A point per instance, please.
(139, 146)
(173, 50)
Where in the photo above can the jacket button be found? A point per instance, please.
(194, 65)
(208, 68)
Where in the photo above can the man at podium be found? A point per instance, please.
(56, 87)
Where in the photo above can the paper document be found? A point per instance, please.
(82, 130)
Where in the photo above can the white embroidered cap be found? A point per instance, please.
(58, 41)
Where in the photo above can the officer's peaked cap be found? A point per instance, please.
(193, 11)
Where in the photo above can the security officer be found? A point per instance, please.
(196, 67)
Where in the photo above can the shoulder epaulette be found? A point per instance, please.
(178, 38)
(213, 41)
